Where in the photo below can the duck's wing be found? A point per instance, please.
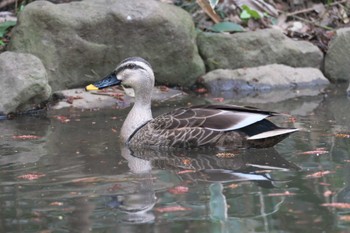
(212, 117)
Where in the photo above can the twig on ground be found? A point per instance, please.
(313, 23)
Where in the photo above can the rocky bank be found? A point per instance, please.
(64, 46)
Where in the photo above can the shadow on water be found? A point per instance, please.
(70, 175)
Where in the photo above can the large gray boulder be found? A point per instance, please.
(23, 81)
(80, 42)
(263, 78)
(337, 60)
(250, 49)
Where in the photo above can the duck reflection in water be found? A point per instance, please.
(189, 167)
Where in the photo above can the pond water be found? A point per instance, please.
(67, 173)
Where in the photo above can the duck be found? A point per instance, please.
(220, 126)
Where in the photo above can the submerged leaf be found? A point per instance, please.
(339, 205)
(62, 119)
(286, 193)
(319, 174)
(31, 176)
(168, 209)
(26, 137)
(178, 190)
(345, 218)
(56, 203)
(185, 171)
(318, 151)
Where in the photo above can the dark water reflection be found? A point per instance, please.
(75, 178)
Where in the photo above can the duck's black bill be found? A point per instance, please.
(108, 81)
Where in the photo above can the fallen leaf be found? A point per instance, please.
(209, 10)
(118, 96)
(339, 205)
(319, 174)
(45, 231)
(56, 203)
(114, 188)
(286, 193)
(201, 90)
(70, 99)
(86, 180)
(318, 151)
(31, 176)
(342, 135)
(178, 190)
(26, 137)
(186, 161)
(345, 218)
(164, 88)
(220, 99)
(233, 186)
(62, 119)
(328, 193)
(227, 27)
(169, 209)
(292, 119)
(185, 171)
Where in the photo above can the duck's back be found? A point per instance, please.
(220, 126)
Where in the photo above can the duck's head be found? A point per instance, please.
(135, 72)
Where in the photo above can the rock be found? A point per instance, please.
(23, 80)
(263, 78)
(111, 97)
(250, 49)
(80, 42)
(337, 60)
(263, 99)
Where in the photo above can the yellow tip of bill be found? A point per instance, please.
(91, 87)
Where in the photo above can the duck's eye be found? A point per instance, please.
(132, 66)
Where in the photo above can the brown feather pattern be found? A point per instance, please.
(206, 126)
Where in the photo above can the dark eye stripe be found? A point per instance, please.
(131, 66)
(139, 59)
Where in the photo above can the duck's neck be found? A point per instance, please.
(139, 114)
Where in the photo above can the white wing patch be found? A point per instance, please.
(239, 119)
(271, 133)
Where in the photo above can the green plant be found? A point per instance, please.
(4, 26)
(248, 13)
(227, 27)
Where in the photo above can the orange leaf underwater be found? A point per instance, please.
(339, 205)
(26, 137)
(31, 176)
(169, 209)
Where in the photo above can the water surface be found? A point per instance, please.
(67, 173)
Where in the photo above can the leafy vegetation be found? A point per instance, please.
(314, 20)
(4, 26)
(248, 13)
